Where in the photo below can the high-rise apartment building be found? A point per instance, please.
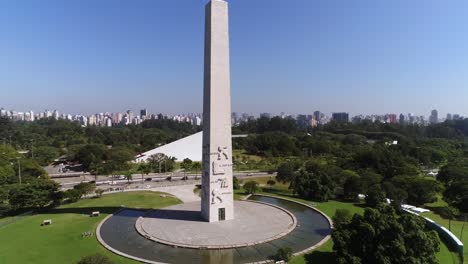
(434, 118)
(340, 117)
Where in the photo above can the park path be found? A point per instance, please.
(183, 192)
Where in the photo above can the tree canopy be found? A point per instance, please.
(382, 236)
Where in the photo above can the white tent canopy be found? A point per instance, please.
(187, 147)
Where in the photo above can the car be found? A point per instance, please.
(148, 179)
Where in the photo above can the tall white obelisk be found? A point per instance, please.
(217, 192)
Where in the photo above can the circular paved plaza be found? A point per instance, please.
(182, 226)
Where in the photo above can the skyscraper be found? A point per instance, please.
(143, 114)
(402, 119)
(340, 117)
(392, 118)
(434, 118)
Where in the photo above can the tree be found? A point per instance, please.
(395, 194)
(382, 236)
(156, 159)
(352, 188)
(73, 195)
(455, 178)
(30, 170)
(90, 154)
(235, 183)
(120, 156)
(7, 173)
(448, 213)
(251, 187)
(342, 216)
(85, 188)
(38, 193)
(457, 195)
(4, 201)
(369, 179)
(283, 254)
(286, 172)
(420, 190)
(99, 192)
(128, 176)
(187, 164)
(96, 169)
(375, 196)
(315, 185)
(197, 167)
(46, 154)
(95, 259)
(275, 144)
(454, 171)
(271, 183)
(144, 169)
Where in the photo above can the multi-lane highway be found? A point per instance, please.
(153, 179)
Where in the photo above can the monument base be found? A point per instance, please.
(183, 226)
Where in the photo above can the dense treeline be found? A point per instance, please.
(378, 160)
(50, 138)
(23, 183)
(344, 159)
(449, 129)
(100, 150)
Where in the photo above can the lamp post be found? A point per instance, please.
(32, 148)
(19, 170)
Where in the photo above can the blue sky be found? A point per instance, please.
(296, 56)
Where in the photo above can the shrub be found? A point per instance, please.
(99, 192)
(95, 259)
(251, 187)
(284, 253)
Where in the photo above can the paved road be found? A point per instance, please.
(152, 179)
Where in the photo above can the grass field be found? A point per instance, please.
(456, 229)
(241, 154)
(262, 180)
(24, 241)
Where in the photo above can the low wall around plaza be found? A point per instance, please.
(452, 241)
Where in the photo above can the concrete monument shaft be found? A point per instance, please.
(217, 192)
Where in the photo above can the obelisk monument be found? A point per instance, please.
(217, 192)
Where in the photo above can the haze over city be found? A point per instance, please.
(294, 56)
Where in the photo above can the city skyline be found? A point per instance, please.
(129, 117)
(87, 56)
(277, 112)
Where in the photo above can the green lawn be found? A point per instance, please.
(456, 229)
(241, 154)
(262, 180)
(25, 241)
